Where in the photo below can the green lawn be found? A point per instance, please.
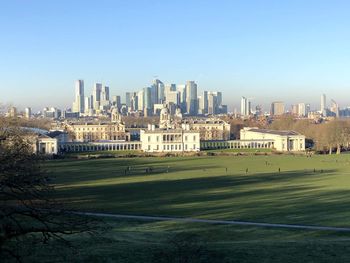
(314, 191)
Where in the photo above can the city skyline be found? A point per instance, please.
(268, 51)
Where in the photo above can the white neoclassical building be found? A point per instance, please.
(168, 138)
(282, 140)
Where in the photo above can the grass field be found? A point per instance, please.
(273, 189)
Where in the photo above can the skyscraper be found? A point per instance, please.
(323, 105)
(191, 98)
(87, 105)
(277, 108)
(245, 107)
(212, 102)
(105, 93)
(128, 99)
(78, 104)
(302, 112)
(203, 103)
(28, 113)
(116, 101)
(140, 102)
(147, 104)
(96, 96)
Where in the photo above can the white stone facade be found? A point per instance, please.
(284, 141)
(169, 140)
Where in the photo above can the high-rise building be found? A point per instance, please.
(161, 95)
(191, 98)
(172, 97)
(96, 95)
(88, 105)
(105, 93)
(105, 103)
(245, 107)
(212, 103)
(277, 108)
(147, 103)
(140, 102)
(133, 102)
(128, 99)
(78, 104)
(203, 103)
(116, 101)
(335, 108)
(28, 113)
(323, 105)
(302, 110)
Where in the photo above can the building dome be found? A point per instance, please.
(115, 115)
(164, 120)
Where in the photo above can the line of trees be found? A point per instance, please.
(330, 136)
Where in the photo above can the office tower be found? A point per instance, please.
(212, 102)
(127, 99)
(157, 95)
(191, 98)
(96, 95)
(140, 100)
(245, 107)
(172, 97)
(277, 108)
(147, 104)
(323, 105)
(105, 93)
(133, 102)
(335, 108)
(307, 109)
(105, 103)
(203, 103)
(12, 112)
(78, 104)
(116, 101)
(88, 105)
(294, 109)
(302, 110)
(161, 95)
(182, 93)
(28, 113)
(218, 95)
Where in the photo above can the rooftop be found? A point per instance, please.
(275, 132)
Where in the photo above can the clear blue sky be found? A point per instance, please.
(268, 50)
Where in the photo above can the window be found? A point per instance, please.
(194, 138)
(194, 146)
(185, 146)
(149, 138)
(149, 147)
(186, 138)
(157, 138)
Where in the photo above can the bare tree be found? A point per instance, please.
(27, 207)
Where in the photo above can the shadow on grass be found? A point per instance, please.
(289, 197)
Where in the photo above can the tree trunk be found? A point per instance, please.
(338, 149)
(330, 150)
